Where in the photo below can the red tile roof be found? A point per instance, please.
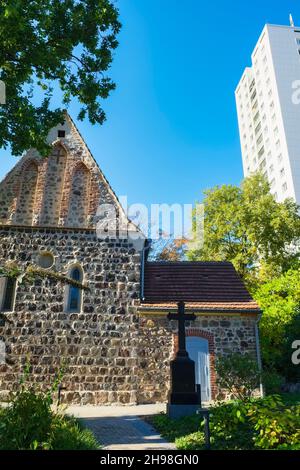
(203, 286)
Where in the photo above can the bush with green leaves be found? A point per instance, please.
(29, 423)
(238, 374)
(274, 424)
(272, 382)
(194, 441)
(257, 424)
(266, 423)
(68, 433)
(229, 426)
(26, 422)
(226, 426)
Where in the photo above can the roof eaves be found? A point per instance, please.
(201, 310)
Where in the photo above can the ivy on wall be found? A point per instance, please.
(11, 269)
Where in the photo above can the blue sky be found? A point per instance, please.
(171, 128)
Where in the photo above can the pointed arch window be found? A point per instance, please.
(53, 186)
(79, 201)
(27, 194)
(8, 289)
(75, 293)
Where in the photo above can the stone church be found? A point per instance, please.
(101, 311)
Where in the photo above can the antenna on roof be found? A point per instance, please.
(292, 21)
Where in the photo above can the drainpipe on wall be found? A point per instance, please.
(258, 352)
(144, 256)
(142, 274)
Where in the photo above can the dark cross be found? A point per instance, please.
(181, 317)
(182, 368)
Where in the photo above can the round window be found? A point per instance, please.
(45, 260)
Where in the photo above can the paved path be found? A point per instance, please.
(121, 428)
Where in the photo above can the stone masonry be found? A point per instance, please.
(158, 342)
(99, 344)
(49, 205)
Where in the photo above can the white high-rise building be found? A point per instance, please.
(268, 106)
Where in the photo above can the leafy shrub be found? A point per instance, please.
(229, 426)
(265, 423)
(262, 423)
(272, 382)
(28, 422)
(194, 441)
(275, 424)
(67, 433)
(288, 447)
(238, 374)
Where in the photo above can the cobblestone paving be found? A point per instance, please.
(122, 428)
(127, 432)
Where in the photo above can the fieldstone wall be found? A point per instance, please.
(65, 189)
(158, 342)
(99, 344)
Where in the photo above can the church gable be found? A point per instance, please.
(64, 189)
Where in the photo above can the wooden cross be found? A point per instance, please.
(181, 317)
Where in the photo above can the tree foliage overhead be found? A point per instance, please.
(169, 249)
(245, 225)
(279, 300)
(68, 43)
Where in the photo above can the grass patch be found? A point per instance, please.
(69, 433)
(173, 429)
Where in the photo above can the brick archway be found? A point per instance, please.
(211, 349)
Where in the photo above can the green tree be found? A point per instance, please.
(279, 300)
(53, 43)
(239, 374)
(245, 225)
